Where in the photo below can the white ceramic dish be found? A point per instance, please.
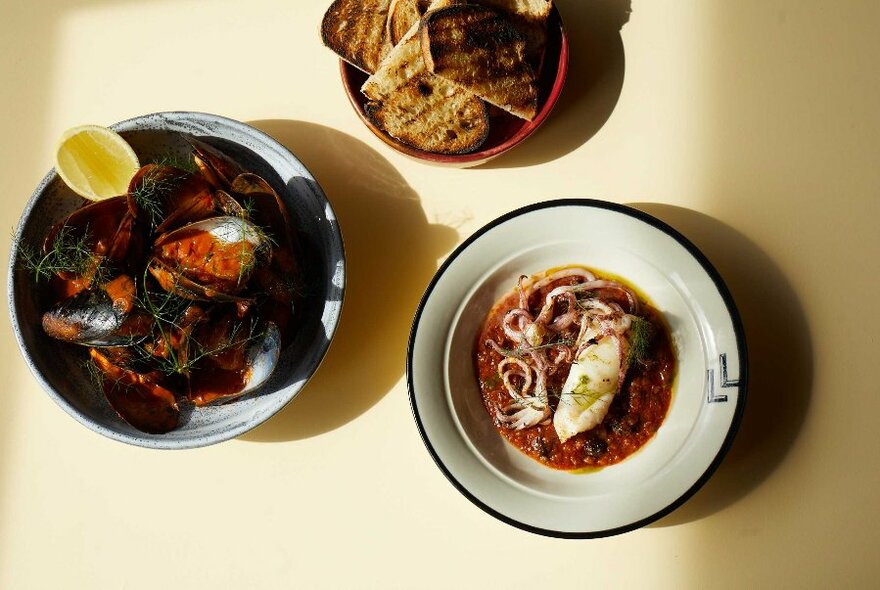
(708, 395)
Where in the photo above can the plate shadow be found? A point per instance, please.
(780, 360)
(592, 87)
(391, 255)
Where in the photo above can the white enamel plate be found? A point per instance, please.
(708, 395)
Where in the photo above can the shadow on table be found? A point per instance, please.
(780, 360)
(391, 255)
(592, 88)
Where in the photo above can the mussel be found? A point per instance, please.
(102, 316)
(245, 364)
(218, 168)
(212, 259)
(170, 196)
(188, 294)
(138, 398)
(281, 279)
(104, 231)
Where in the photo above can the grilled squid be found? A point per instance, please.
(544, 339)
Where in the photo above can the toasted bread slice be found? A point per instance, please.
(530, 18)
(420, 109)
(537, 10)
(478, 49)
(403, 14)
(355, 30)
(432, 123)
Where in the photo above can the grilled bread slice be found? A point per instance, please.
(530, 18)
(478, 49)
(355, 29)
(403, 14)
(536, 10)
(420, 109)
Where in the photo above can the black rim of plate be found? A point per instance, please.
(722, 290)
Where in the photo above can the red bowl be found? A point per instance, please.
(505, 130)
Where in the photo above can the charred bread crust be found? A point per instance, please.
(534, 10)
(402, 14)
(354, 30)
(530, 18)
(440, 139)
(479, 49)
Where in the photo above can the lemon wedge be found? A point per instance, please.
(95, 162)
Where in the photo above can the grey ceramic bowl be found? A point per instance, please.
(58, 366)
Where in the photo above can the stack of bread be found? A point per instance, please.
(435, 64)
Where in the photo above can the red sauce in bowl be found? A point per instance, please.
(634, 416)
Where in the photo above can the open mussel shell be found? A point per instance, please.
(218, 168)
(178, 196)
(249, 183)
(101, 219)
(268, 208)
(223, 231)
(139, 401)
(104, 316)
(262, 358)
(228, 205)
(174, 281)
(209, 260)
(109, 226)
(218, 384)
(282, 279)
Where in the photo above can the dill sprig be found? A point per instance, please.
(167, 310)
(185, 163)
(70, 253)
(164, 307)
(641, 336)
(585, 395)
(196, 351)
(248, 258)
(247, 261)
(100, 380)
(247, 208)
(95, 374)
(523, 351)
(152, 192)
(231, 341)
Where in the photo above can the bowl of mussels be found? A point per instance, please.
(182, 295)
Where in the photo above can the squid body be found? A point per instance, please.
(591, 385)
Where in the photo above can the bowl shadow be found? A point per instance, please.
(780, 360)
(391, 254)
(592, 87)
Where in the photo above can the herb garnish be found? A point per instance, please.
(69, 254)
(167, 311)
(522, 351)
(185, 163)
(641, 336)
(153, 190)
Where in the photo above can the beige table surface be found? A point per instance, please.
(749, 125)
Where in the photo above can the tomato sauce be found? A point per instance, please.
(634, 416)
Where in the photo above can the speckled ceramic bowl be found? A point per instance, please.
(58, 366)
